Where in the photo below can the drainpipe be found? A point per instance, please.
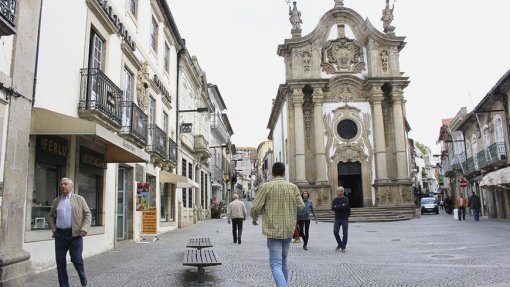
(37, 53)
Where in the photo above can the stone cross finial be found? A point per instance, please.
(340, 31)
(387, 17)
(339, 3)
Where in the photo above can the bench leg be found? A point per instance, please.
(201, 274)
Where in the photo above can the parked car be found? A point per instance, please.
(429, 204)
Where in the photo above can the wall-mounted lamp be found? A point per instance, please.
(219, 146)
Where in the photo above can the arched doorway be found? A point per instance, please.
(349, 176)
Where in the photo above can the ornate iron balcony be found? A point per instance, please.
(134, 122)
(157, 141)
(100, 97)
(8, 12)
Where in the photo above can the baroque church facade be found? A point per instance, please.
(339, 119)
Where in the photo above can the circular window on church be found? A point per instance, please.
(347, 129)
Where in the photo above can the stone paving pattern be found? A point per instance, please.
(434, 250)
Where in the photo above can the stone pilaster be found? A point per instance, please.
(15, 264)
(320, 154)
(400, 139)
(297, 100)
(379, 140)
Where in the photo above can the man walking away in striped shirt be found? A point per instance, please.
(278, 201)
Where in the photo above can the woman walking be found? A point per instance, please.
(303, 218)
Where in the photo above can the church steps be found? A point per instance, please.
(370, 214)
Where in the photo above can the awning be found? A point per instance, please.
(496, 178)
(46, 122)
(179, 180)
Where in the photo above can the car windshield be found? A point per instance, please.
(428, 200)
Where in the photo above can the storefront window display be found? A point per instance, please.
(50, 160)
(90, 182)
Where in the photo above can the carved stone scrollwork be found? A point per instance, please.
(387, 118)
(345, 94)
(342, 55)
(142, 84)
(407, 194)
(306, 56)
(385, 195)
(385, 55)
(350, 152)
(307, 112)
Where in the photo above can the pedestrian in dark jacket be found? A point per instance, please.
(342, 211)
(475, 205)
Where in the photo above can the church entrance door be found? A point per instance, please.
(349, 176)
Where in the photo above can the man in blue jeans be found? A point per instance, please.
(342, 211)
(278, 201)
(70, 219)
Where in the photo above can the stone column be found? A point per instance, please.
(297, 100)
(15, 265)
(379, 139)
(400, 138)
(320, 154)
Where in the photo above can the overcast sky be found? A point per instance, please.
(456, 52)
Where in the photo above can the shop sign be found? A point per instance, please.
(91, 158)
(149, 222)
(52, 145)
(115, 20)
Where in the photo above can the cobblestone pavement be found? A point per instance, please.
(434, 250)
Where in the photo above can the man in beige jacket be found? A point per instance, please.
(237, 212)
(70, 219)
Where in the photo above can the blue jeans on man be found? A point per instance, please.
(476, 214)
(64, 241)
(278, 252)
(344, 223)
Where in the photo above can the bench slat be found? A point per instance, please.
(199, 258)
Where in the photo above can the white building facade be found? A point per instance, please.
(104, 115)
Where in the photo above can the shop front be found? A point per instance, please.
(100, 164)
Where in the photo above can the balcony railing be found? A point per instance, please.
(8, 11)
(483, 158)
(172, 151)
(497, 151)
(157, 141)
(469, 165)
(100, 96)
(134, 122)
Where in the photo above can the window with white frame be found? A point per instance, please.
(459, 147)
(154, 34)
(165, 123)
(126, 97)
(96, 51)
(167, 58)
(131, 7)
(468, 149)
(474, 146)
(486, 137)
(498, 129)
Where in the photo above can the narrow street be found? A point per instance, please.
(434, 250)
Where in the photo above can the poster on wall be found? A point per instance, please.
(149, 222)
(142, 196)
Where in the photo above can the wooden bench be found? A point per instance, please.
(199, 243)
(200, 258)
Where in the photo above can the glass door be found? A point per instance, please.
(122, 188)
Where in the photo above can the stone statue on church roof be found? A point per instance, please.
(295, 17)
(339, 3)
(387, 17)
